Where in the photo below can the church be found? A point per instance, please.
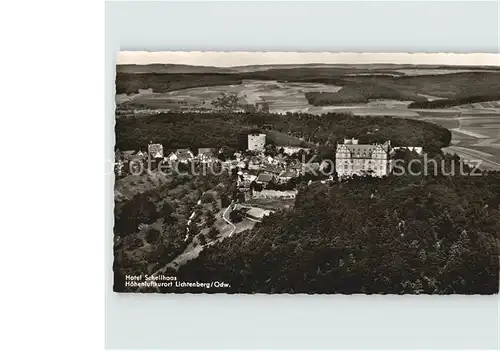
(362, 159)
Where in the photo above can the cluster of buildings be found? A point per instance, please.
(257, 165)
(155, 153)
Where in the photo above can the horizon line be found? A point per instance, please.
(229, 59)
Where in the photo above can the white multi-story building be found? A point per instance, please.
(256, 142)
(362, 159)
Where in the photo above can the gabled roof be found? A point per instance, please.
(265, 177)
(255, 160)
(279, 158)
(296, 165)
(155, 150)
(185, 154)
(287, 174)
(271, 168)
(205, 151)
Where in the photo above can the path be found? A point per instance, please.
(193, 251)
(191, 218)
(227, 220)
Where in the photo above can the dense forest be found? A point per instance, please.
(130, 83)
(193, 130)
(360, 93)
(428, 235)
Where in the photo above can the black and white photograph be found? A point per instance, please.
(338, 174)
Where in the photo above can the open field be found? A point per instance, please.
(435, 71)
(280, 97)
(474, 136)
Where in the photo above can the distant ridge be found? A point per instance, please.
(180, 69)
(171, 68)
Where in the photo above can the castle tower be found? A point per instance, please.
(256, 142)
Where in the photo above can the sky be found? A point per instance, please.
(231, 59)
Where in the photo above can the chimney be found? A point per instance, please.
(355, 141)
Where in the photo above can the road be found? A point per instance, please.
(227, 220)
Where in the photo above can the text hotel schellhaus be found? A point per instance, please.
(164, 281)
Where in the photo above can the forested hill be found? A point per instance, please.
(193, 130)
(394, 235)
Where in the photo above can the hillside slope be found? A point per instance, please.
(396, 235)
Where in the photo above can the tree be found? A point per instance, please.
(210, 218)
(256, 186)
(193, 229)
(140, 209)
(225, 201)
(166, 212)
(236, 216)
(213, 233)
(207, 197)
(152, 236)
(201, 239)
(271, 150)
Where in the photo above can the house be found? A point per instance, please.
(181, 155)
(206, 155)
(290, 150)
(254, 163)
(274, 194)
(280, 160)
(118, 167)
(242, 164)
(231, 164)
(127, 154)
(265, 178)
(257, 214)
(237, 155)
(361, 159)
(155, 150)
(245, 179)
(133, 156)
(270, 168)
(298, 167)
(286, 176)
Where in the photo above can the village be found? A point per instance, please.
(266, 177)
